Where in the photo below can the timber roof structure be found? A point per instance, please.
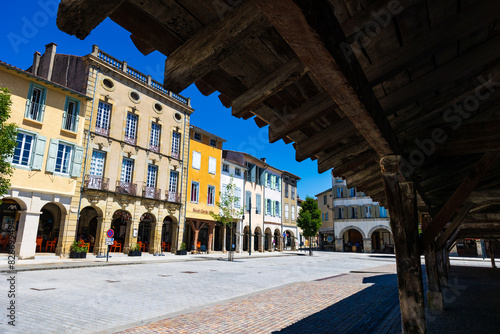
(347, 82)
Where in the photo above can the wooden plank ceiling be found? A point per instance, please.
(345, 81)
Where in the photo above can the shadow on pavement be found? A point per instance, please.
(375, 309)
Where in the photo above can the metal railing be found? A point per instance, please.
(175, 154)
(130, 140)
(154, 148)
(69, 122)
(172, 197)
(102, 131)
(95, 182)
(34, 110)
(128, 188)
(151, 192)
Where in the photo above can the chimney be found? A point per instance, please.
(47, 62)
(263, 160)
(36, 63)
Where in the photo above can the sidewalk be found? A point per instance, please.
(49, 261)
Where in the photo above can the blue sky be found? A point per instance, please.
(27, 26)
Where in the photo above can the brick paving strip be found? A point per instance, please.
(361, 302)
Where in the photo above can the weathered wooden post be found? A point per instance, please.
(492, 254)
(434, 293)
(401, 200)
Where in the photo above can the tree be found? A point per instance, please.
(8, 134)
(309, 219)
(228, 212)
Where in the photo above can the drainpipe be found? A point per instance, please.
(184, 164)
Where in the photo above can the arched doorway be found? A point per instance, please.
(145, 227)
(353, 240)
(245, 238)
(9, 216)
(268, 240)
(257, 239)
(49, 224)
(382, 241)
(121, 219)
(87, 224)
(290, 240)
(276, 240)
(169, 234)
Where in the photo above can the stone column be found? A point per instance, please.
(129, 236)
(25, 245)
(367, 245)
(280, 244)
(210, 236)
(294, 244)
(238, 242)
(224, 237)
(252, 241)
(155, 239)
(99, 243)
(339, 244)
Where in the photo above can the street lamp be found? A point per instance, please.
(250, 226)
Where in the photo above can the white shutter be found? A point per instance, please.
(37, 161)
(196, 160)
(51, 158)
(212, 165)
(77, 162)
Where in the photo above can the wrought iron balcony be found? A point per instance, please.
(130, 140)
(34, 110)
(102, 131)
(172, 197)
(154, 148)
(151, 192)
(95, 182)
(175, 154)
(127, 188)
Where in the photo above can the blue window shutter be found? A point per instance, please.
(38, 153)
(77, 162)
(51, 158)
(266, 178)
(42, 103)
(252, 173)
(265, 206)
(279, 183)
(257, 203)
(247, 201)
(273, 208)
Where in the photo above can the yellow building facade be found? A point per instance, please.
(204, 180)
(48, 160)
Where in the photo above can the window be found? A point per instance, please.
(213, 142)
(212, 165)
(340, 213)
(277, 209)
(97, 163)
(176, 143)
(151, 177)
(286, 211)
(368, 211)
(340, 192)
(196, 160)
(237, 194)
(195, 191)
(197, 136)
(383, 212)
(293, 192)
(324, 200)
(354, 212)
(277, 182)
(172, 185)
(70, 116)
(131, 129)
(268, 207)
(127, 168)
(237, 171)
(257, 203)
(326, 215)
(102, 118)
(286, 190)
(322, 217)
(353, 192)
(24, 145)
(63, 158)
(293, 212)
(268, 180)
(338, 180)
(225, 168)
(251, 172)
(248, 201)
(154, 141)
(35, 105)
(211, 195)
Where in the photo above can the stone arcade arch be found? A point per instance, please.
(257, 240)
(353, 239)
(382, 240)
(268, 240)
(13, 217)
(52, 226)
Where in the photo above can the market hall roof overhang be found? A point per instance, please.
(347, 82)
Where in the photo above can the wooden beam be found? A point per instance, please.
(462, 67)
(296, 119)
(209, 46)
(434, 294)
(323, 139)
(80, 17)
(401, 200)
(488, 217)
(361, 159)
(270, 85)
(302, 31)
(455, 223)
(339, 157)
(450, 31)
(458, 198)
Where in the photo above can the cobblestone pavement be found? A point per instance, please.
(348, 303)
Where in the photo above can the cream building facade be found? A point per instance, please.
(290, 207)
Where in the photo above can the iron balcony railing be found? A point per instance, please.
(70, 122)
(151, 192)
(154, 148)
(127, 188)
(34, 110)
(95, 182)
(102, 131)
(172, 197)
(175, 154)
(130, 140)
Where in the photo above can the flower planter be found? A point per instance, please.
(78, 255)
(134, 253)
(181, 252)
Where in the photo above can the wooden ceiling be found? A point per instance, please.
(345, 81)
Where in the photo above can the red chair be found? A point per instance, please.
(116, 245)
(50, 246)
(39, 244)
(165, 246)
(141, 246)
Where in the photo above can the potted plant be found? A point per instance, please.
(183, 250)
(77, 250)
(135, 250)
